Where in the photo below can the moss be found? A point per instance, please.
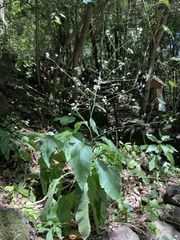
(12, 225)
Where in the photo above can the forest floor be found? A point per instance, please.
(30, 111)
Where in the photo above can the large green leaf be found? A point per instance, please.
(93, 125)
(53, 187)
(48, 147)
(64, 211)
(152, 138)
(109, 180)
(81, 162)
(82, 214)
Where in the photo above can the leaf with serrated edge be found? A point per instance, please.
(109, 180)
(81, 162)
(82, 215)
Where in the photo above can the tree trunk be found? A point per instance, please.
(156, 38)
(37, 43)
(82, 38)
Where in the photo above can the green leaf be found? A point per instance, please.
(152, 164)
(166, 2)
(132, 164)
(166, 29)
(153, 215)
(19, 64)
(78, 125)
(49, 235)
(65, 120)
(5, 139)
(109, 180)
(171, 83)
(165, 138)
(93, 125)
(26, 156)
(171, 148)
(63, 211)
(52, 215)
(53, 187)
(152, 148)
(82, 215)
(81, 162)
(154, 203)
(58, 21)
(154, 228)
(152, 138)
(177, 59)
(170, 158)
(111, 145)
(165, 148)
(48, 147)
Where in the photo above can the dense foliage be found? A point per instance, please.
(81, 58)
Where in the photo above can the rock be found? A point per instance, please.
(170, 214)
(122, 232)
(166, 231)
(172, 195)
(12, 225)
(3, 105)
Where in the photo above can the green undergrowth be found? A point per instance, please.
(98, 168)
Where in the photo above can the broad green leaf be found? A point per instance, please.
(152, 148)
(49, 235)
(81, 162)
(109, 180)
(65, 120)
(63, 211)
(166, 2)
(48, 147)
(152, 164)
(53, 187)
(152, 138)
(26, 156)
(82, 215)
(171, 148)
(164, 148)
(166, 138)
(52, 215)
(93, 125)
(170, 158)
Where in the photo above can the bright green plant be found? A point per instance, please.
(159, 149)
(97, 178)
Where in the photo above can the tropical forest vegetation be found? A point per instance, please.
(89, 112)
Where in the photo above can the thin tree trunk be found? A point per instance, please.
(83, 36)
(156, 38)
(37, 43)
